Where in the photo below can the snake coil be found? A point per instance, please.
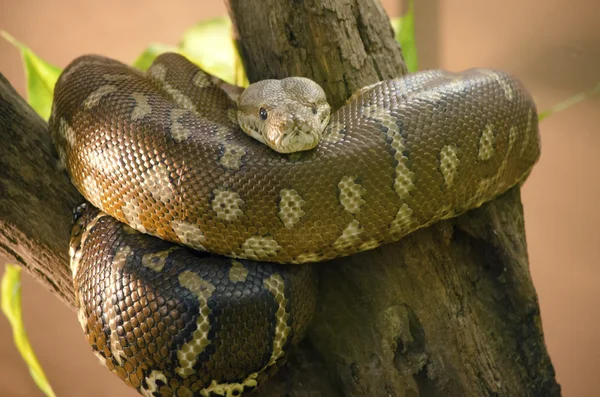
(161, 153)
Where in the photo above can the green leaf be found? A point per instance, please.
(210, 45)
(41, 77)
(405, 35)
(145, 59)
(575, 99)
(10, 294)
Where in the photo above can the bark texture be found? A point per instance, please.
(450, 310)
(36, 196)
(344, 45)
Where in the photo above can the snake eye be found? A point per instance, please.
(262, 112)
(314, 109)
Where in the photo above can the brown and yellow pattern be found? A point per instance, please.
(170, 321)
(162, 151)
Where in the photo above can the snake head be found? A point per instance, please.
(288, 115)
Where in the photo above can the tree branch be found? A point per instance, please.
(451, 309)
(36, 197)
(343, 45)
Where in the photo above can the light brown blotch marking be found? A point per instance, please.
(258, 247)
(108, 161)
(157, 181)
(142, 107)
(276, 285)
(94, 98)
(351, 194)
(201, 80)
(512, 137)
(509, 93)
(350, 237)
(369, 245)
(227, 204)
(308, 257)
(178, 132)
(527, 133)
(189, 234)
(290, 207)
(159, 73)
(77, 242)
(131, 211)
(188, 353)
(109, 309)
(403, 221)
(230, 389)
(495, 183)
(487, 141)
(449, 162)
(404, 180)
(237, 272)
(67, 132)
(232, 156)
(152, 387)
(157, 260)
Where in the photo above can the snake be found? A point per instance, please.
(193, 258)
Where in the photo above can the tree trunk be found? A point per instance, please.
(450, 310)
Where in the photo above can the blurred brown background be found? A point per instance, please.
(552, 47)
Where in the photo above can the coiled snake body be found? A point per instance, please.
(162, 152)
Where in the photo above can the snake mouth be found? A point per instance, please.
(299, 139)
(253, 131)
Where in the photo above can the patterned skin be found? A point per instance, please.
(163, 152)
(169, 320)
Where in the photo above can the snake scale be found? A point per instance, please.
(162, 153)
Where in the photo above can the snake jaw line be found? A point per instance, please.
(252, 130)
